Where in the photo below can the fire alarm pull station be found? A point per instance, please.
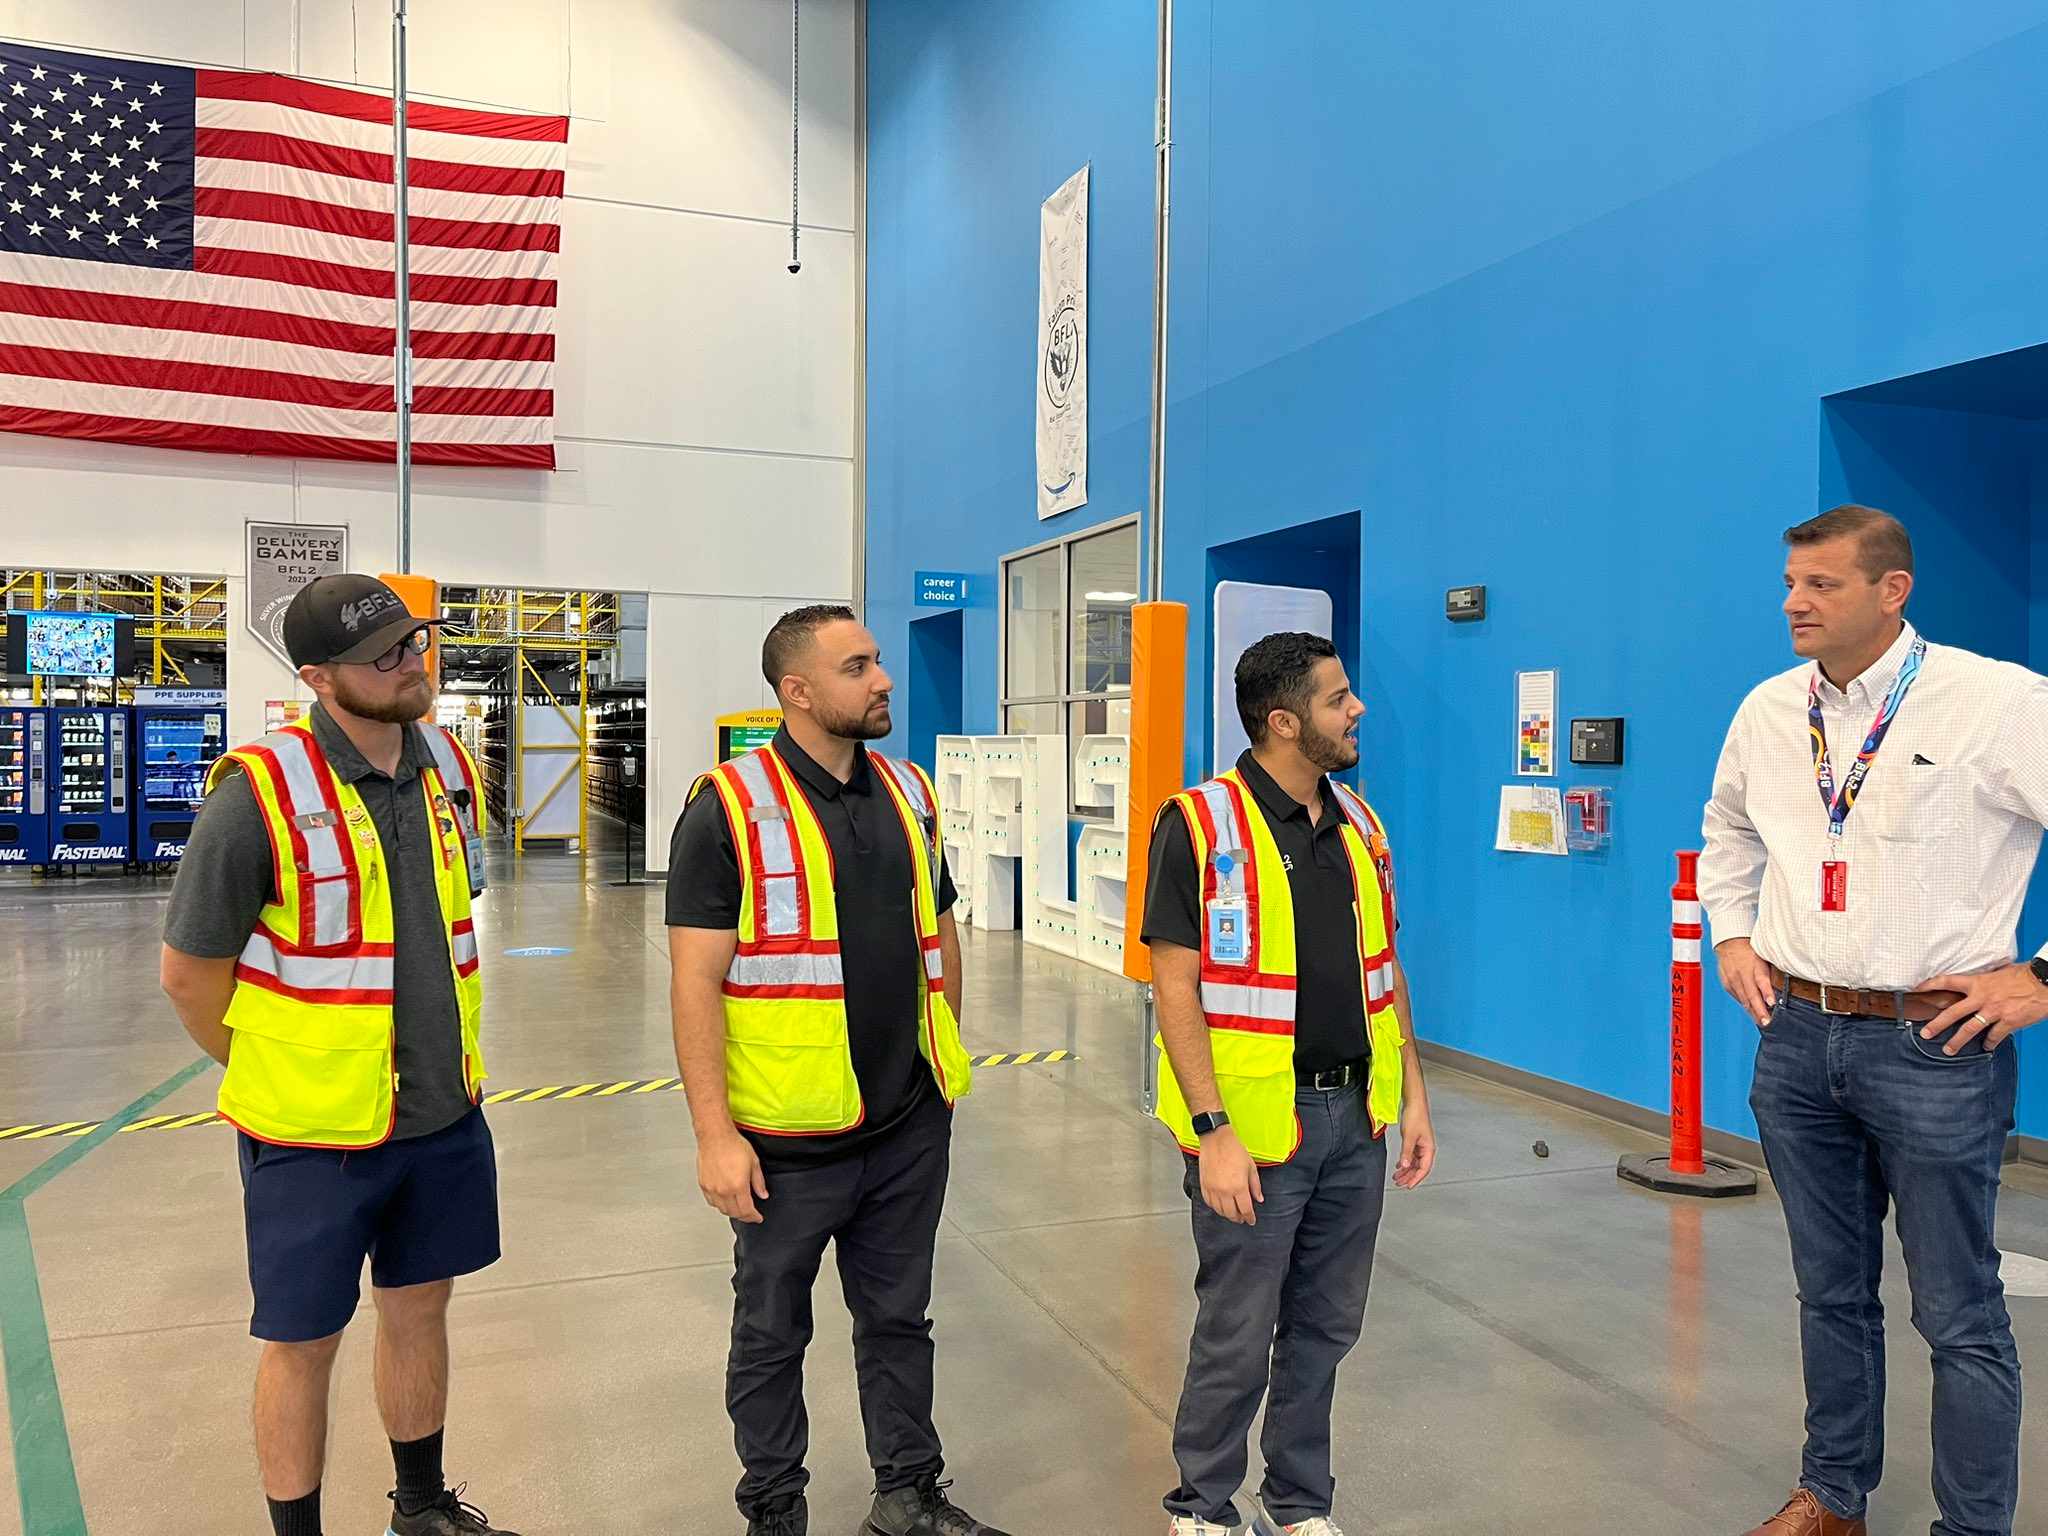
(1588, 818)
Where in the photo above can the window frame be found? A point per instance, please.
(1068, 696)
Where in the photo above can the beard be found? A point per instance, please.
(851, 727)
(412, 702)
(1331, 754)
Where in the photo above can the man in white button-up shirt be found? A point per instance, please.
(1876, 817)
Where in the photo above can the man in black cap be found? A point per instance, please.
(320, 946)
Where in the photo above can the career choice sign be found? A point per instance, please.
(284, 557)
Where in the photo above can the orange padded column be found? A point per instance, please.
(1159, 710)
(422, 596)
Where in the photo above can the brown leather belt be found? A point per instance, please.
(1911, 1007)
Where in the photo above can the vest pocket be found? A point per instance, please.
(1255, 1076)
(953, 1060)
(318, 1075)
(1383, 1085)
(789, 1069)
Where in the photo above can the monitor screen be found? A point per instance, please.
(70, 644)
(176, 752)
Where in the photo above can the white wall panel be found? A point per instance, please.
(505, 53)
(205, 31)
(703, 661)
(692, 330)
(687, 106)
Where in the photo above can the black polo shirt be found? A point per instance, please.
(1329, 1022)
(875, 893)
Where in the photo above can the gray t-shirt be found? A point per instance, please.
(226, 879)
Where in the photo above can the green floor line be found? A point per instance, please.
(46, 1479)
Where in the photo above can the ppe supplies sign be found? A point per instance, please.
(284, 557)
(1063, 348)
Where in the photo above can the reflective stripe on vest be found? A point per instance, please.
(912, 783)
(361, 978)
(780, 910)
(452, 760)
(321, 845)
(804, 973)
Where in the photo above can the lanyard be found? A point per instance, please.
(1839, 805)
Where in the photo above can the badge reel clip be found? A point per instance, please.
(1229, 943)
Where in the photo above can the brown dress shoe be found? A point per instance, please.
(1807, 1516)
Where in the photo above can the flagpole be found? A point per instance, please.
(1162, 200)
(402, 286)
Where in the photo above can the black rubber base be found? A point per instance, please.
(1720, 1182)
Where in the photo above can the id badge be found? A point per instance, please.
(473, 850)
(1834, 885)
(1228, 941)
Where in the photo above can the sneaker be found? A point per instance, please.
(446, 1516)
(788, 1517)
(1264, 1524)
(922, 1510)
(1192, 1525)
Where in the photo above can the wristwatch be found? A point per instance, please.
(2039, 966)
(1204, 1124)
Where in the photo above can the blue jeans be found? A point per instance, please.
(1282, 1301)
(1857, 1113)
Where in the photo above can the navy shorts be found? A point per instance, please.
(420, 1210)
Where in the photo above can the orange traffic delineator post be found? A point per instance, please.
(1686, 1169)
(422, 598)
(1159, 670)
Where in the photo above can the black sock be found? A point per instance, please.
(420, 1479)
(296, 1517)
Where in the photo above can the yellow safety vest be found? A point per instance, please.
(312, 1061)
(788, 1055)
(1250, 1006)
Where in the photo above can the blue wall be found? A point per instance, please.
(1552, 295)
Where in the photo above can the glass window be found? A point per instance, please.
(1067, 639)
(1102, 578)
(1033, 719)
(1032, 594)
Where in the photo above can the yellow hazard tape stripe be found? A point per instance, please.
(70, 1128)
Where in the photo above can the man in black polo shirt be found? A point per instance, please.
(875, 1189)
(1285, 1242)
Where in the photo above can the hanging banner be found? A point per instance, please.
(1063, 348)
(284, 557)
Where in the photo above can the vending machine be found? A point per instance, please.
(90, 791)
(174, 748)
(24, 787)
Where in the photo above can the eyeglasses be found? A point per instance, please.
(414, 644)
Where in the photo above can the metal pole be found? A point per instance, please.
(402, 271)
(1149, 1061)
(1155, 501)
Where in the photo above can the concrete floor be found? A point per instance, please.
(1547, 1351)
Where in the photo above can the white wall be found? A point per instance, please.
(705, 398)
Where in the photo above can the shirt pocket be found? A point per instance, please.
(1923, 803)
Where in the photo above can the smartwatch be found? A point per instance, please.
(1204, 1124)
(2039, 966)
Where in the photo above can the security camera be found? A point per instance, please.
(796, 266)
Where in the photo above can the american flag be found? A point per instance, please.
(196, 258)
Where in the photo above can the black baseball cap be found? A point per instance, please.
(348, 619)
